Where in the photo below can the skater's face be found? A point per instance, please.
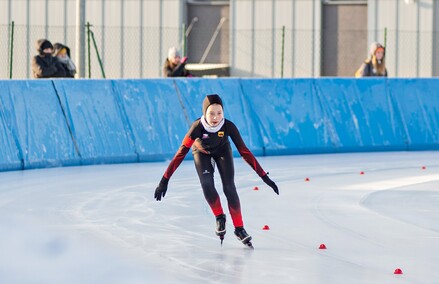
(214, 114)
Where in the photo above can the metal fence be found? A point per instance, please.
(140, 52)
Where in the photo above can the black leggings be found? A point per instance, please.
(205, 169)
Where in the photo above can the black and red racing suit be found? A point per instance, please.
(208, 147)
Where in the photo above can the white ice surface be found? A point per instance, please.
(100, 224)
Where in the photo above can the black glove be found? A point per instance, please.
(160, 191)
(270, 183)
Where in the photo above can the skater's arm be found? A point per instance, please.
(187, 143)
(250, 158)
(179, 156)
(245, 153)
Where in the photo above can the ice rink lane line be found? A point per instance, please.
(345, 259)
(371, 187)
(394, 183)
(100, 230)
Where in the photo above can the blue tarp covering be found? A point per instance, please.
(10, 153)
(35, 121)
(417, 102)
(47, 123)
(287, 114)
(360, 115)
(153, 115)
(94, 112)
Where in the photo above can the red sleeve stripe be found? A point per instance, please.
(251, 160)
(176, 161)
(187, 141)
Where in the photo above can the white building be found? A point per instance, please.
(321, 38)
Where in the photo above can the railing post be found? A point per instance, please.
(283, 52)
(385, 37)
(212, 40)
(186, 32)
(97, 53)
(183, 35)
(11, 54)
(80, 37)
(88, 50)
(11, 58)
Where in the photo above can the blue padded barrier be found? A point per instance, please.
(97, 122)
(10, 153)
(46, 123)
(34, 115)
(417, 101)
(360, 115)
(154, 117)
(288, 114)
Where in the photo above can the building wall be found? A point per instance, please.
(409, 44)
(132, 36)
(208, 39)
(256, 35)
(435, 29)
(344, 31)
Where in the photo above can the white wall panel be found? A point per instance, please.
(426, 50)
(284, 17)
(242, 37)
(263, 39)
(256, 28)
(409, 35)
(37, 13)
(307, 31)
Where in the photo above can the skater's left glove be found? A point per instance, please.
(160, 191)
(270, 183)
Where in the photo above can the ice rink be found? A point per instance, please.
(375, 212)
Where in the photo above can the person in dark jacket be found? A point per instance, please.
(209, 139)
(44, 65)
(375, 65)
(62, 53)
(174, 65)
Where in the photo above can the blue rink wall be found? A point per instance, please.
(47, 123)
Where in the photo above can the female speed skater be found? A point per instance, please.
(209, 139)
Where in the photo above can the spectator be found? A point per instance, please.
(375, 65)
(175, 66)
(44, 65)
(62, 53)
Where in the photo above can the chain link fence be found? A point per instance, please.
(133, 52)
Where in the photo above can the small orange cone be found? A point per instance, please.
(266, 228)
(307, 179)
(322, 246)
(398, 271)
(361, 173)
(255, 188)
